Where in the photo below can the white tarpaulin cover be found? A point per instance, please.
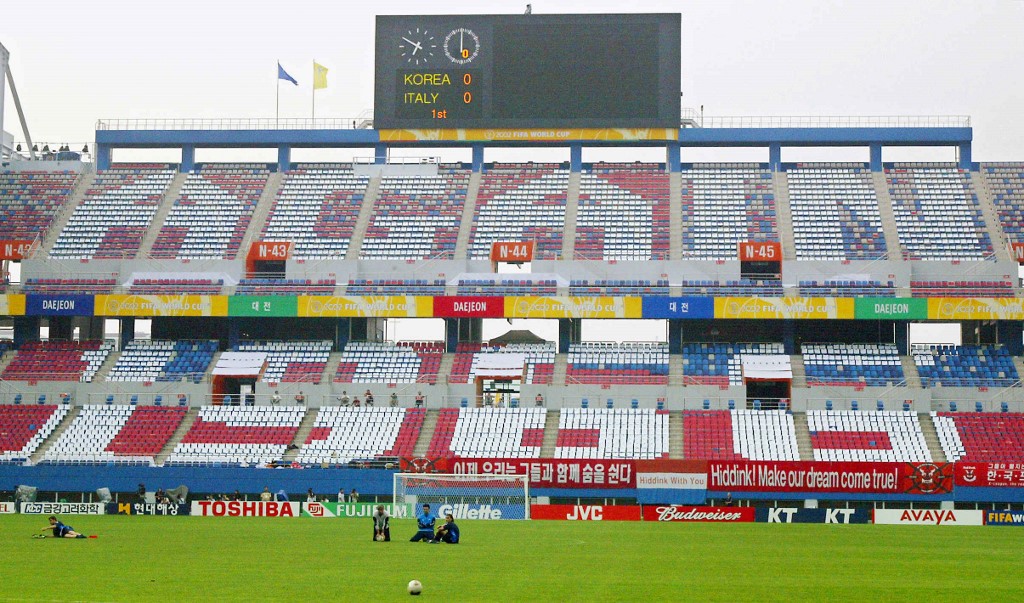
(775, 367)
(240, 364)
(500, 365)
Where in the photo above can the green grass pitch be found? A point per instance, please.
(304, 559)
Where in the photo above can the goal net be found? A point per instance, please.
(466, 496)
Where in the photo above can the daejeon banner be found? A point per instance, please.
(890, 308)
(335, 509)
(827, 477)
(58, 305)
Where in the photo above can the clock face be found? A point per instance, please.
(417, 46)
(461, 46)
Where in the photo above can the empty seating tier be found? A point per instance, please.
(618, 287)
(721, 363)
(362, 286)
(976, 288)
(23, 428)
(612, 433)
(416, 218)
(835, 214)
(317, 208)
(146, 360)
(1006, 183)
(847, 288)
(474, 359)
(886, 436)
(285, 286)
(30, 200)
(112, 219)
(852, 364)
(521, 202)
(742, 287)
(937, 213)
(80, 286)
(755, 435)
(291, 361)
(613, 363)
(340, 435)
(489, 433)
(58, 361)
(212, 212)
(974, 437)
(507, 286)
(723, 206)
(116, 433)
(404, 362)
(176, 286)
(623, 213)
(966, 366)
(238, 435)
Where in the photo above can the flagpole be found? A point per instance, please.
(313, 114)
(277, 106)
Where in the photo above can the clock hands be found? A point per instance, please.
(416, 45)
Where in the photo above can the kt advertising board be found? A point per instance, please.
(798, 515)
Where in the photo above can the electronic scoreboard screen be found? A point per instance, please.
(527, 71)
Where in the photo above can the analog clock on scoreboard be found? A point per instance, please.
(527, 71)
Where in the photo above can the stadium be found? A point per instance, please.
(512, 300)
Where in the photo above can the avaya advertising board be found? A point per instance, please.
(929, 517)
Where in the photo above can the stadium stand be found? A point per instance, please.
(521, 202)
(403, 362)
(112, 219)
(340, 435)
(291, 361)
(766, 435)
(58, 361)
(720, 363)
(743, 286)
(974, 437)
(724, 205)
(23, 428)
(835, 213)
(507, 286)
(612, 433)
(977, 288)
(161, 360)
(285, 286)
(212, 212)
(848, 288)
(84, 286)
(887, 435)
(1006, 182)
(966, 366)
(618, 287)
(116, 433)
(489, 433)
(30, 200)
(176, 286)
(611, 363)
(538, 360)
(362, 286)
(937, 213)
(416, 217)
(623, 213)
(238, 435)
(316, 208)
(864, 364)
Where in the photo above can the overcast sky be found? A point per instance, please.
(76, 62)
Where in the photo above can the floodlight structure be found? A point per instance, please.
(104, 495)
(25, 494)
(5, 65)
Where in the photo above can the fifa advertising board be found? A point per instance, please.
(244, 508)
(929, 517)
(1004, 518)
(703, 514)
(586, 512)
(61, 508)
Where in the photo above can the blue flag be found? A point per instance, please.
(283, 75)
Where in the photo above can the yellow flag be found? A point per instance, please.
(319, 76)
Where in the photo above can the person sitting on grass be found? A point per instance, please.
(60, 530)
(449, 532)
(425, 525)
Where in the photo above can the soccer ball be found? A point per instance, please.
(415, 587)
(379, 537)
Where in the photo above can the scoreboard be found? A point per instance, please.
(527, 71)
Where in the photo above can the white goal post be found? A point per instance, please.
(465, 496)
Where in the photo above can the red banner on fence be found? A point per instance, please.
(992, 475)
(556, 473)
(845, 477)
(585, 512)
(716, 514)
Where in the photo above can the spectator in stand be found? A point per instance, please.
(341, 494)
(368, 397)
(310, 497)
(394, 399)
(353, 496)
(142, 493)
(343, 398)
(266, 495)
(159, 496)
(421, 401)
(276, 398)
(300, 398)
(237, 496)
(381, 525)
(539, 400)
(727, 501)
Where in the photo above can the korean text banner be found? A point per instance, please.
(556, 473)
(382, 306)
(573, 307)
(784, 307)
(678, 307)
(991, 475)
(844, 477)
(161, 305)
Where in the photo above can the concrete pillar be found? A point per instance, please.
(675, 336)
(103, 157)
(576, 158)
(965, 156)
(284, 158)
(775, 157)
(451, 335)
(1010, 335)
(902, 328)
(188, 158)
(26, 328)
(478, 158)
(127, 330)
(380, 154)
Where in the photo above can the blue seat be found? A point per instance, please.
(634, 403)
(585, 403)
(17, 398)
(978, 407)
(42, 398)
(110, 398)
(880, 406)
(854, 405)
(906, 406)
(952, 406)
(707, 405)
(134, 401)
(757, 405)
(611, 403)
(158, 401)
(464, 403)
(732, 404)
(661, 405)
(1004, 407)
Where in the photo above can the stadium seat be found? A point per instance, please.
(612, 433)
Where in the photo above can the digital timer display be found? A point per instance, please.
(527, 71)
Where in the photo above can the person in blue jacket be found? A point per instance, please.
(449, 532)
(60, 530)
(425, 520)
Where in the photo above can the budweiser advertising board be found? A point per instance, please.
(709, 514)
(585, 512)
